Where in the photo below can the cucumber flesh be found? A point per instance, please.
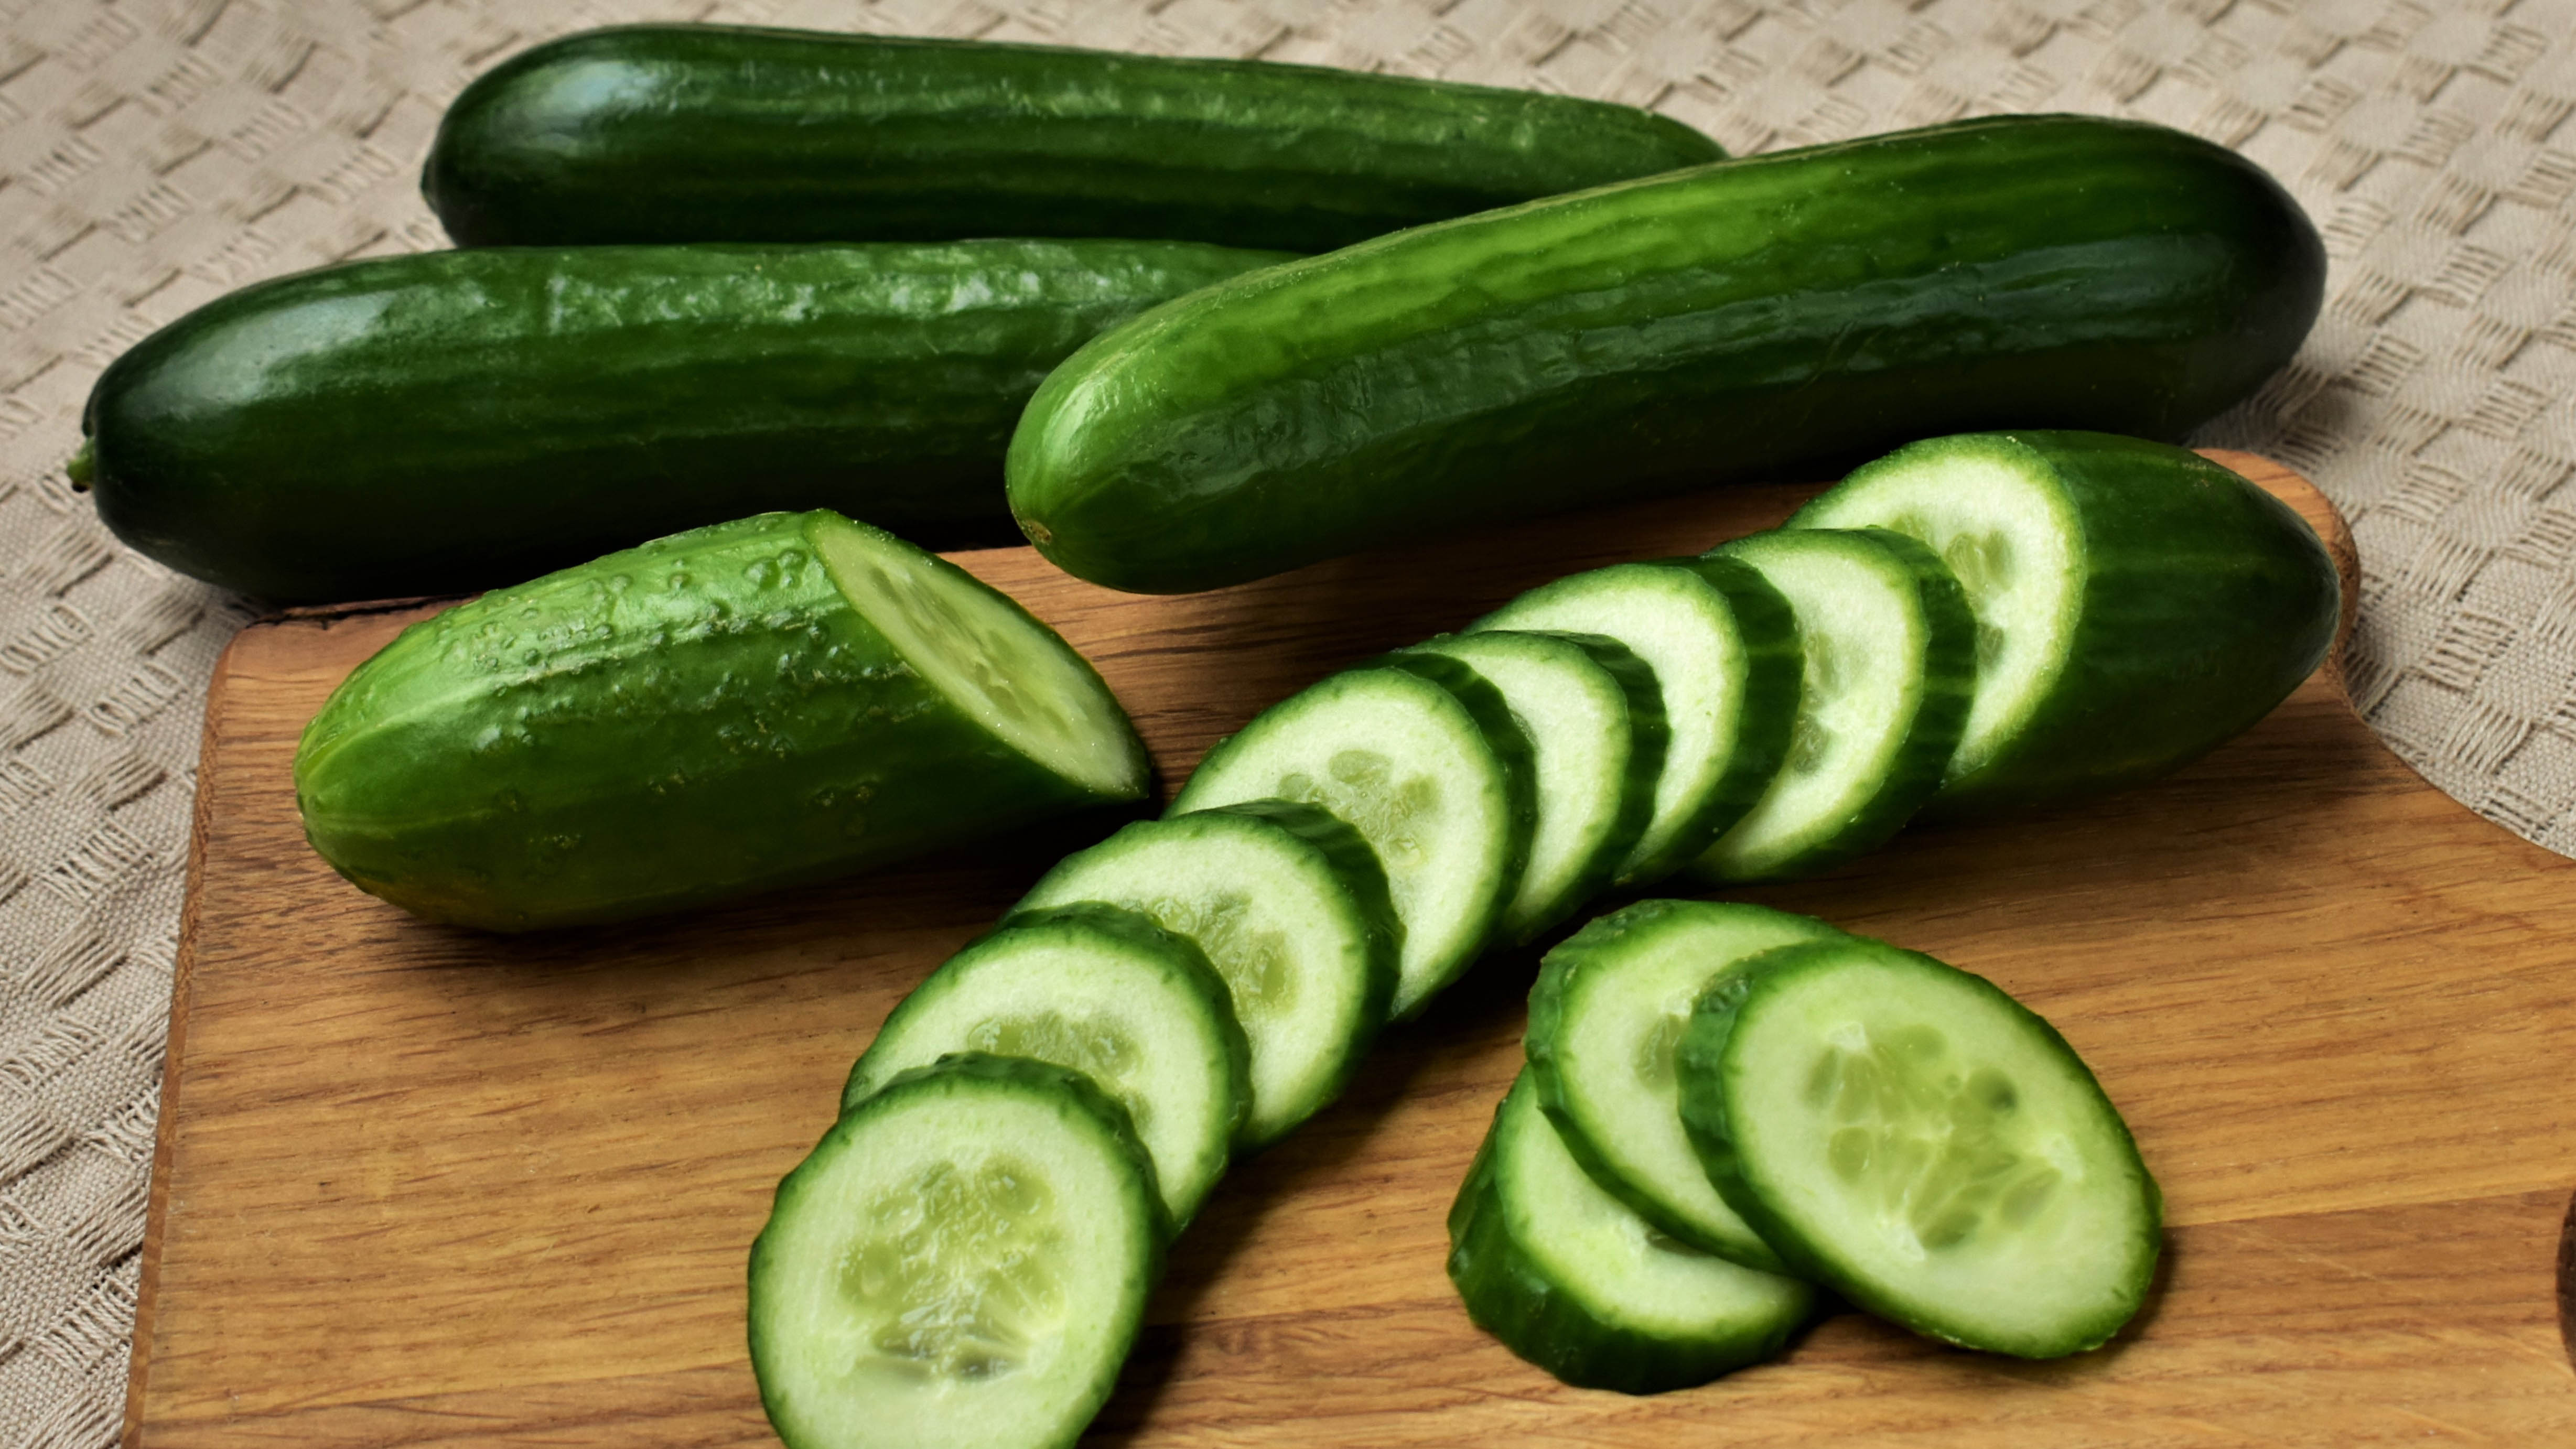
(1290, 907)
(961, 1263)
(1594, 717)
(1606, 1013)
(1890, 661)
(1571, 1280)
(1413, 765)
(1104, 992)
(1908, 1134)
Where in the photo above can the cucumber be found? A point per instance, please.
(1420, 755)
(724, 133)
(1744, 319)
(444, 422)
(738, 708)
(961, 1263)
(2136, 603)
(1606, 1012)
(1890, 661)
(1291, 908)
(1105, 992)
(1571, 1280)
(1594, 717)
(1909, 1135)
(1723, 648)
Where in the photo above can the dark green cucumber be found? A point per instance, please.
(1746, 318)
(444, 422)
(724, 133)
(2136, 603)
(752, 705)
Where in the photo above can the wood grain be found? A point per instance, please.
(423, 1186)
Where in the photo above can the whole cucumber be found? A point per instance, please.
(1752, 317)
(724, 133)
(753, 705)
(441, 422)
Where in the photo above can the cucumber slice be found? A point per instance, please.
(1431, 772)
(961, 1263)
(1291, 909)
(1890, 660)
(2136, 603)
(1107, 993)
(1607, 1010)
(1594, 717)
(1571, 1280)
(1723, 648)
(1908, 1134)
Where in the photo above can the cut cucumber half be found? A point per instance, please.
(1890, 658)
(1909, 1135)
(1291, 909)
(1608, 1008)
(1724, 651)
(2136, 604)
(1594, 717)
(1571, 1280)
(1109, 994)
(961, 1263)
(1431, 772)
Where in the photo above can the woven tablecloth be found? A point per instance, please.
(156, 153)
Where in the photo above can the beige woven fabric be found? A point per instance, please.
(155, 153)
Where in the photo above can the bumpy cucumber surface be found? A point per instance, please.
(448, 421)
(961, 1263)
(762, 703)
(1571, 1280)
(1735, 320)
(1906, 1133)
(718, 133)
(1291, 908)
(1890, 660)
(1606, 1013)
(1422, 758)
(2136, 603)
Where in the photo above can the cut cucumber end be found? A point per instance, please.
(974, 645)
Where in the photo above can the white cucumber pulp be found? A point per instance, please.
(961, 1263)
(1104, 992)
(1721, 646)
(1889, 663)
(1594, 717)
(1606, 1014)
(1290, 907)
(1411, 766)
(1911, 1135)
(1572, 1280)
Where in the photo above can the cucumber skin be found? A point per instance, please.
(1765, 720)
(1697, 1063)
(971, 1071)
(1743, 319)
(446, 421)
(723, 133)
(590, 747)
(2206, 602)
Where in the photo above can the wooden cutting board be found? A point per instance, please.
(422, 1186)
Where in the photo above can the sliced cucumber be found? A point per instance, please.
(1724, 651)
(1291, 909)
(1432, 773)
(1571, 1280)
(1908, 1134)
(1890, 660)
(961, 1263)
(1594, 717)
(1607, 1010)
(1109, 994)
(2136, 603)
